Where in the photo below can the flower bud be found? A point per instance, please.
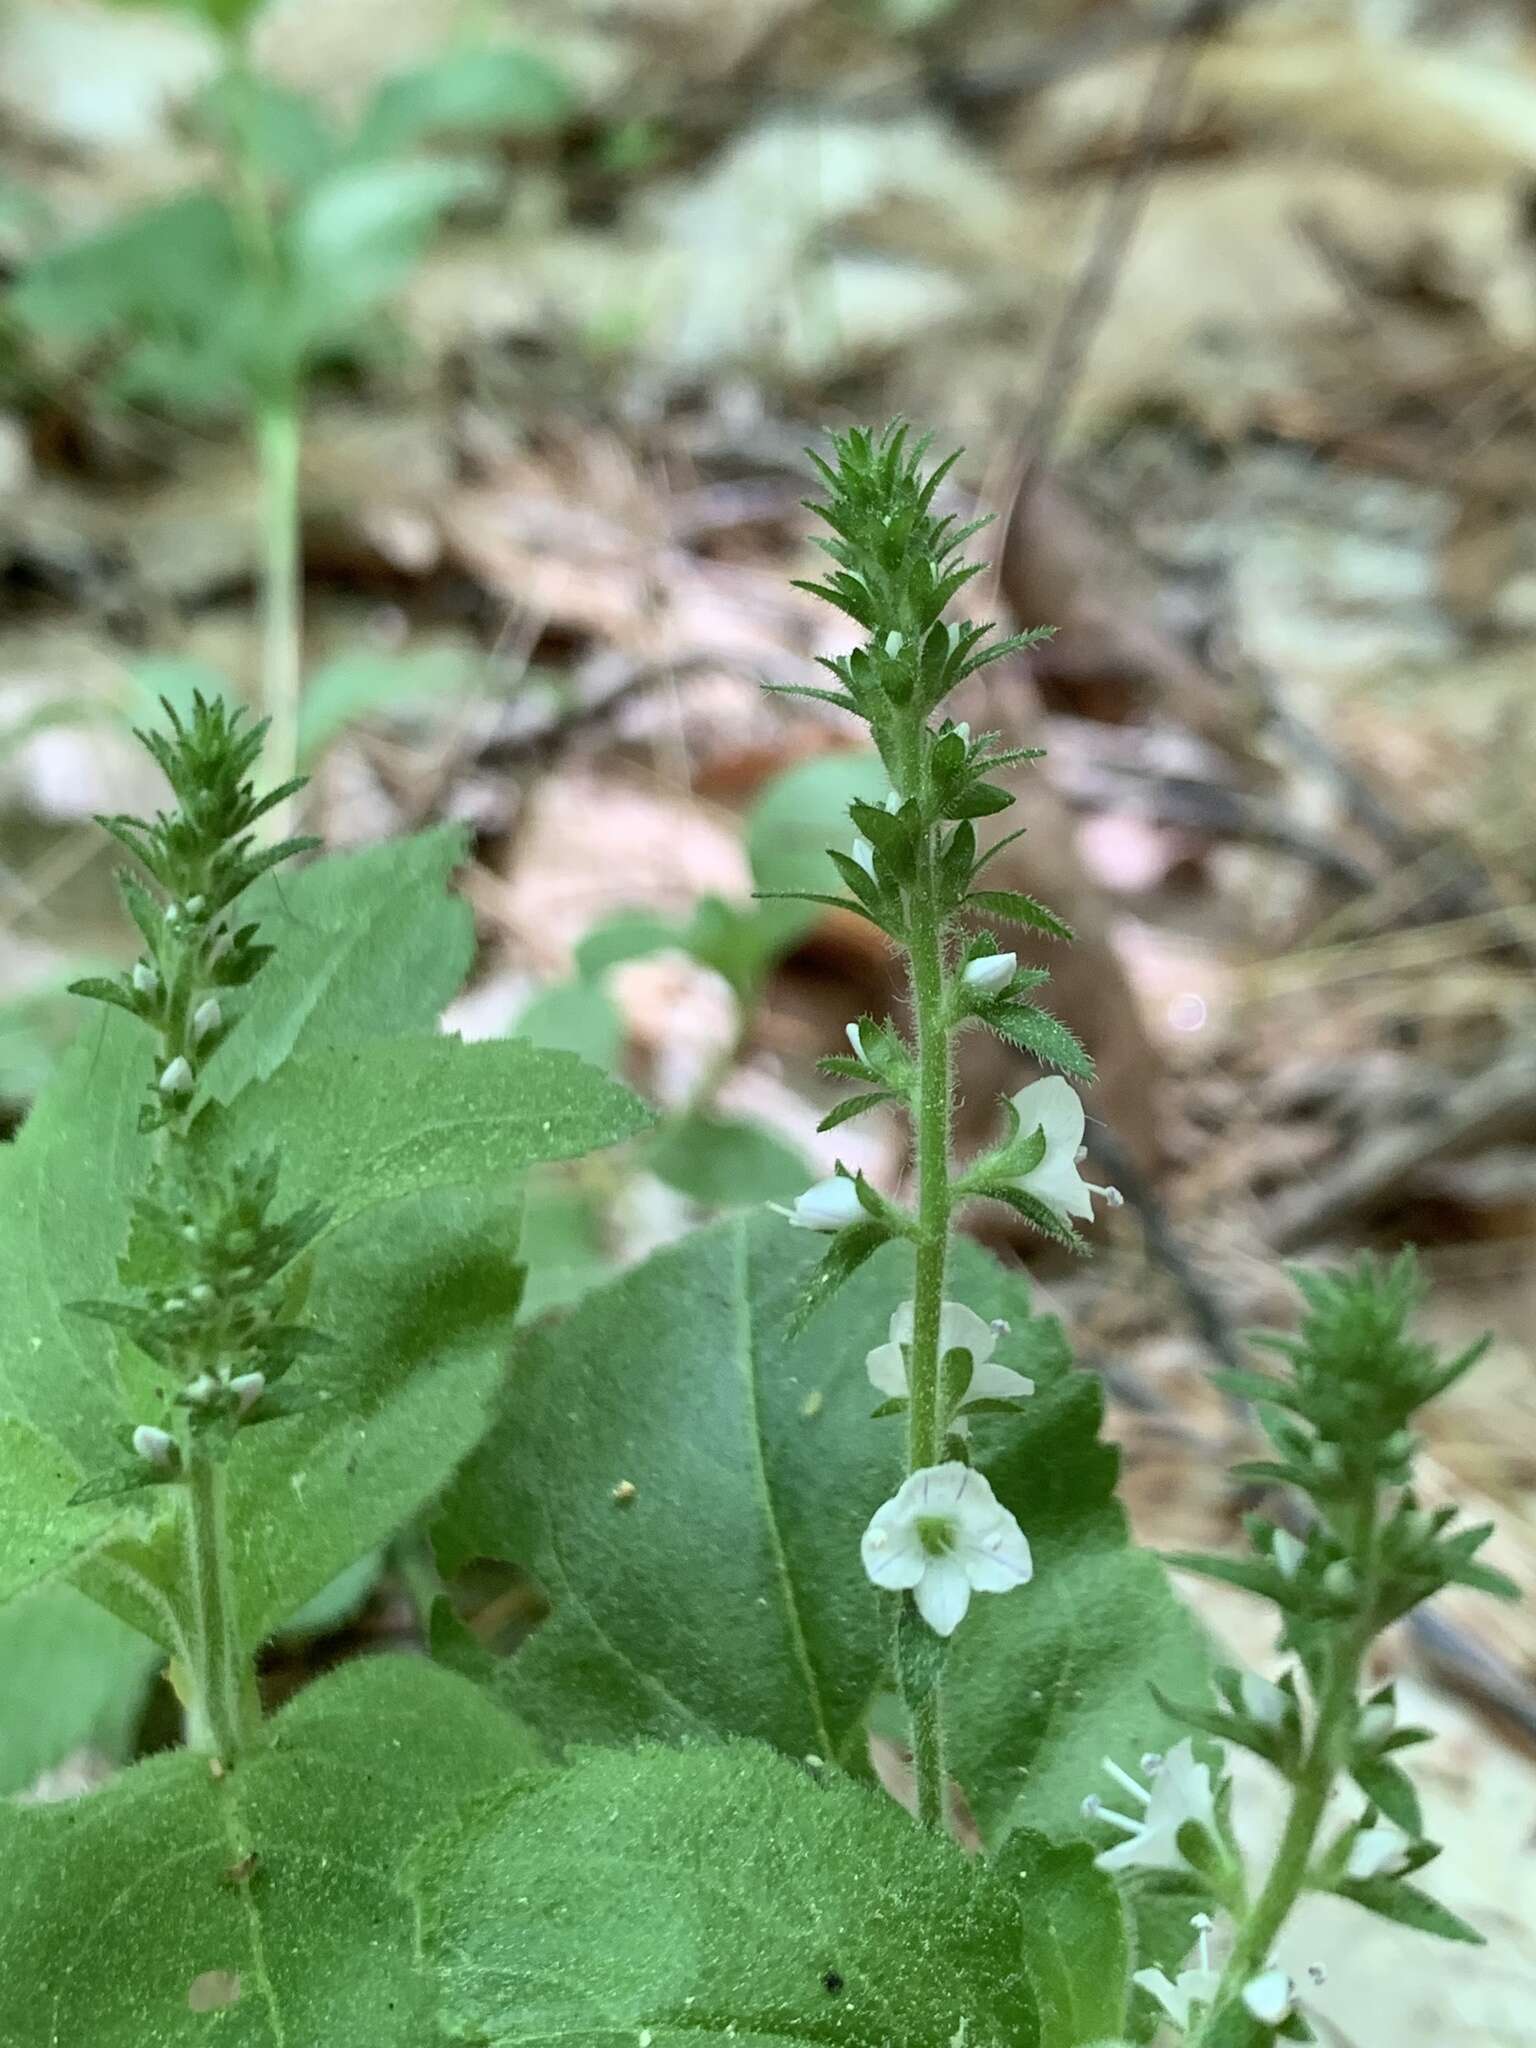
(156, 1447)
(1377, 1852)
(829, 1205)
(856, 1040)
(1376, 1722)
(196, 905)
(1267, 1704)
(145, 979)
(1270, 1997)
(991, 973)
(1287, 1551)
(1339, 1580)
(177, 1078)
(206, 1019)
(221, 948)
(248, 1388)
(200, 1392)
(864, 856)
(893, 644)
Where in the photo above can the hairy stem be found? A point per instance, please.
(278, 437)
(931, 1114)
(1325, 1758)
(223, 1712)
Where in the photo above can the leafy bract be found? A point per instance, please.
(173, 1907)
(71, 1678)
(714, 1893)
(690, 1485)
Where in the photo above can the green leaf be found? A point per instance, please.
(1019, 909)
(71, 1678)
(171, 1908)
(562, 1242)
(356, 234)
(362, 1125)
(1388, 1786)
(1076, 1949)
(726, 1163)
(713, 1894)
(841, 1260)
(503, 91)
(1394, 1899)
(1036, 1031)
(367, 944)
(352, 686)
(726, 1595)
(168, 264)
(627, 935)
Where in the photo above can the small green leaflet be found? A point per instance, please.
(725, 1162)
(170, 1909)
(714, 1894)
(724, 1595)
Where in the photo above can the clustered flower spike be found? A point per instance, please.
(942, 1537)
(1180, 1791)
(960, 1329)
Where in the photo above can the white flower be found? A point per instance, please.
(1380, 1851)
(1262, 1702)
(1270, 1997)
(960, 1329)
(864, 854)
(1181, 1791)
(1193, 1987)
(945, 1535)
(156, 1447)
(177, 1078)
(206, 1018)
(829, 1205)
(856, 1040)
(991, 973)
(1287, 1551)
(1052, 1106)
(145, 979)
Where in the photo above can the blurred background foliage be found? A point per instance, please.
(436, 379)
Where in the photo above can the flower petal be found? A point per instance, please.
(961, 1329)
(943, 1594)
(997, 1383)
(1053, 1106)
(1002, 1561)
(887, 1370)
(892, 1550)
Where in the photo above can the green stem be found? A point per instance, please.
(1328, 1751)
(223, 1712)
(931, 1120)
(278, 439)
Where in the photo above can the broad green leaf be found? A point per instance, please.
(367, 944)
(562, 1241)
(419, 1300)
(171, 1908)
(276, 134)
(71, 1677)
(168, 265)
(725, 1594)
(65, 1188)
(359, 1126)
(351, 686)
(1075, 1945)
(726, 1162)
(713, 1894)
(40, 1532)
(465, 92)
(627, 935)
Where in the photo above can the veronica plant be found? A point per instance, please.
(257, 1292)
(230, 299)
